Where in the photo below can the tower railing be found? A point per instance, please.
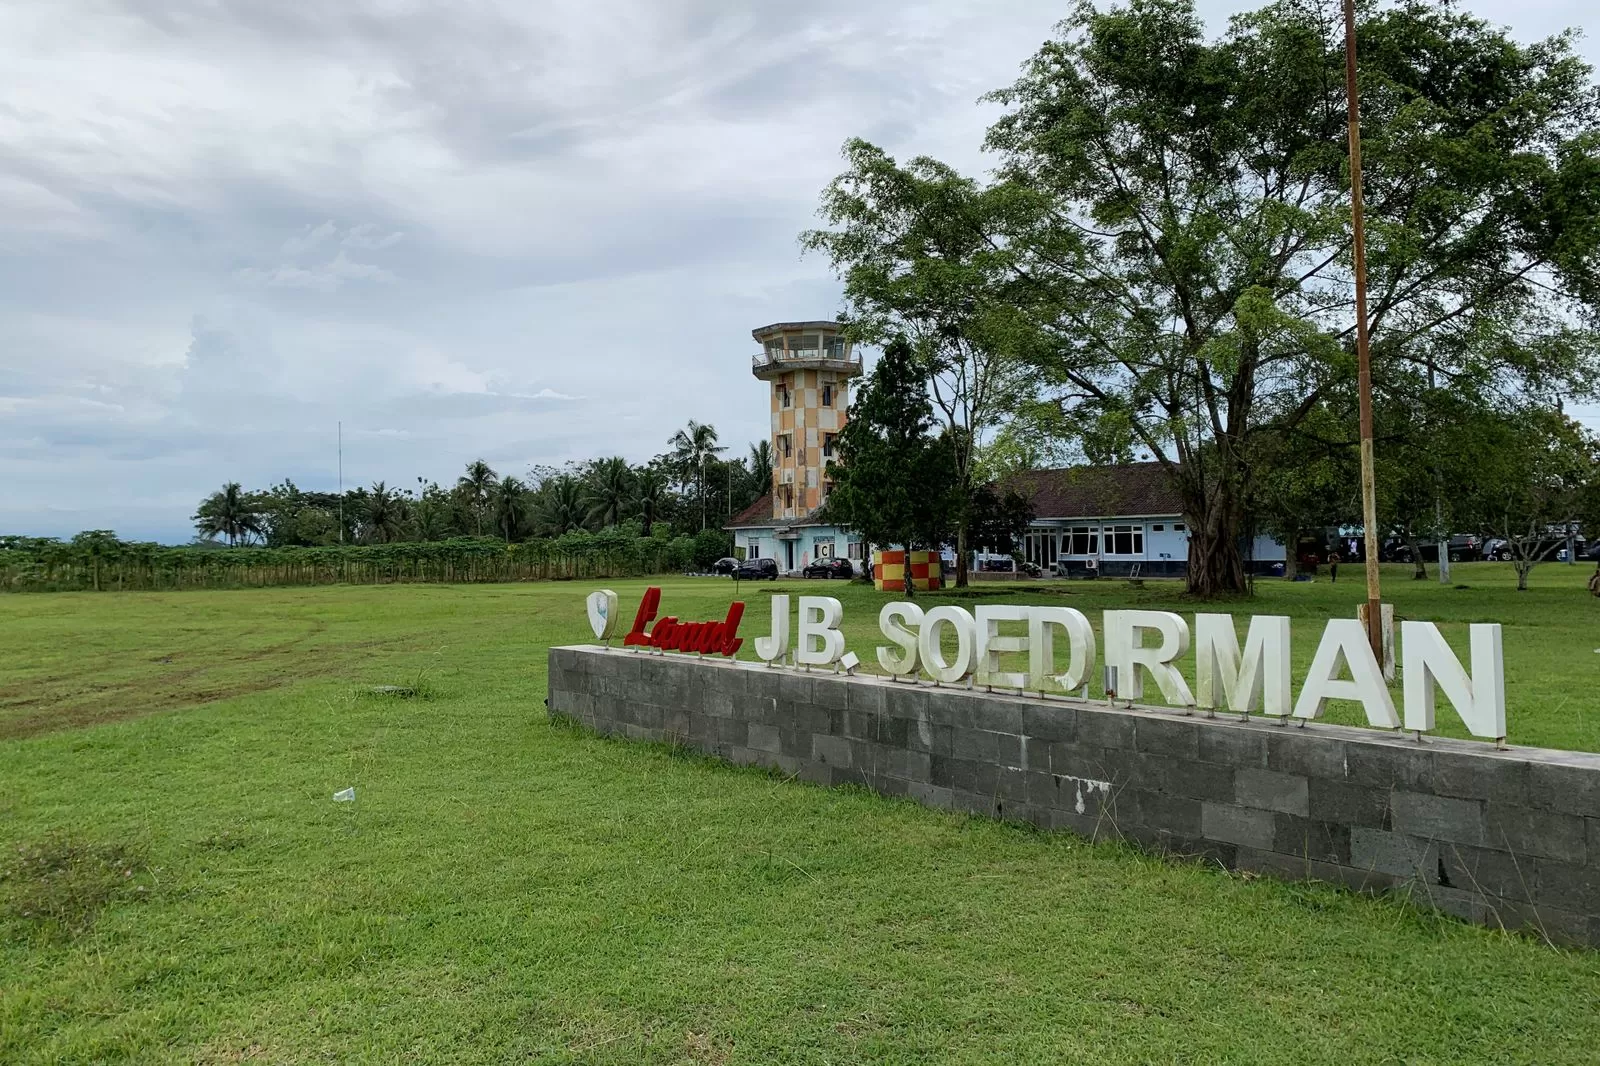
(765, 359)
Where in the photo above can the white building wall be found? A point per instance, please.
(1161, 536)
(1266, 550)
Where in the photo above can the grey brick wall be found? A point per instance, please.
(1506, 838)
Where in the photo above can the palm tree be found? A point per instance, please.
(650, 495)
(475, 487)
(610, 491)
(510, 506)
(429, 519)
(691, 447)
(231, 513)
(385, 513)
(760, 464)
(560, 507)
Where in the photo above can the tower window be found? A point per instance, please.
(827, 443)
(786, 441)
(783, 395)
(827, 395)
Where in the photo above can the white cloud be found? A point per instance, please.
(308, 238)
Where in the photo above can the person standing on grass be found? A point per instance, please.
(1333, 566)
(1594, 580)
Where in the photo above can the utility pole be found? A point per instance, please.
(1369, 501)
(341, 482)
(1438, 507)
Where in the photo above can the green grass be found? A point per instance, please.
(507, 890)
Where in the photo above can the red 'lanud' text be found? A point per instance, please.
(669, 634)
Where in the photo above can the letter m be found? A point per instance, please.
(1244, 680)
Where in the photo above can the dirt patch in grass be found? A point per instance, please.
(71, 701)
(57, 885)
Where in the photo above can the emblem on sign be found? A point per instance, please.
(603, 613)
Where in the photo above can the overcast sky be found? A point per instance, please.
(526, 230)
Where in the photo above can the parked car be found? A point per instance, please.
(1462, 547)
(756, 569)
(725, 566)
(1552, 546)
(830, 568)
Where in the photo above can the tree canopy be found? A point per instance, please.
(1166, 243)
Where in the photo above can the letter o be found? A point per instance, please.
(932, 652)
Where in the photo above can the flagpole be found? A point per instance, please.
(1369, 502)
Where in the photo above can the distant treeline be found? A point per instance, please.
(98, 560)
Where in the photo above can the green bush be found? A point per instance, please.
(711, 545)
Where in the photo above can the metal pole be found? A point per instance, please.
(1369, 502)
(341, 482)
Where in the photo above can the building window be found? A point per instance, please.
(1084, 540)
(754, 551)
(1158, 528)
(1124, 540)
(822, 549)
(1040, 545)
(852, 549)
(827, 395)
(1177, 527)
(786, 443)
(788, 495)
(827, 444)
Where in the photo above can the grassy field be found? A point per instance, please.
(506, 890)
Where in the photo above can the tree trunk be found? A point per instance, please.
(1522, 567)
(1421, 564)
(961, 555)
(1215, 566)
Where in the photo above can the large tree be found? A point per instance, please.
(913, 246)
(692, 447)
(475, 489)
(1535, 475)
(1170, 219)
(895, 480)
(610, 491)
(232, 513)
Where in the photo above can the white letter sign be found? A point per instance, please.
(1126, 651)
(889, 621)
(991, 644)
(1344, 643)
(821, 643)
(928, 646)
(1042, 622)
(1222, 672)
(1480, 700)
(772, 649)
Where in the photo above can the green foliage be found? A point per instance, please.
(895, 483)
(1535, 475)
(46, 564)
(711, 545)
(1167, 243)
(230, 512)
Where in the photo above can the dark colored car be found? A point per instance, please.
(756, 569)
(1463, 547)
(725, 566)
(830, 568)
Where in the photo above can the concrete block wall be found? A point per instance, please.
(1506, 838)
